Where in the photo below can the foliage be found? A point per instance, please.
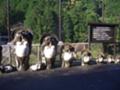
(43, 16)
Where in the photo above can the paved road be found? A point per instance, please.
(94, 77)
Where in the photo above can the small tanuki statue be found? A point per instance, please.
(22, 42)
(100, 58)
(86, 57)
(117, 59)
(68, 55)
(110, 59)
(48, 49)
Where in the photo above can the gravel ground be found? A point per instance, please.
(93, 77)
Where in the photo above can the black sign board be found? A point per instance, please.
(102, 32)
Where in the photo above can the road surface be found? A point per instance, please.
(94, 77)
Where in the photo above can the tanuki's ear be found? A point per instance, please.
(72, 48)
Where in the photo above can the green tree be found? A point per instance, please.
(41, 18)
(68, 28)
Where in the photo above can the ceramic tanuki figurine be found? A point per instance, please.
(22, 42)
(48, 50)
(68, 54)
(86, 58)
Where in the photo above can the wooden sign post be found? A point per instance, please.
(102, 33)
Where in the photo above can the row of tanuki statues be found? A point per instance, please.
(50, 47)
